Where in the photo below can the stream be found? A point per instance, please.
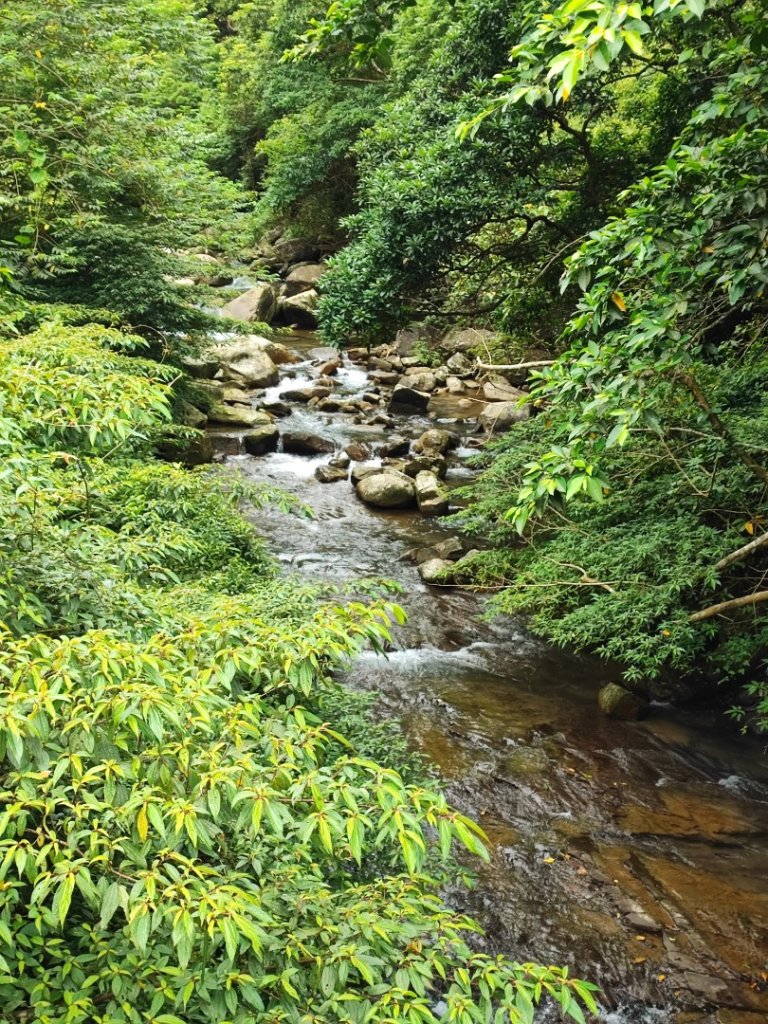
(635, 852)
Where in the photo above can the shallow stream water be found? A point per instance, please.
(635, 852)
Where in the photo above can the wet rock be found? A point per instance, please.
(301, 309)
(434, 440)
(330, 474)
(616, 702)
(340, 460)
(408, 337)
(358, 451)
(226, 444)
(396, 445)
(377, 363)
(328, 404)
(419, 555)
(431, 570)
(450, 548)
(386, 489)
(279, 409)
(203, 367)
(642, 922)
(303, 277)
(190, 416)
(431, 496)
(500, 390)
(385, 377)
(280, 354)
(423, 380)
(357, 355)
(527, 761)
(305, 395)
(323, 353)
(236, 396)
(455, 386)
(426, 463)
(361, 471)
(245, 360)
(262, 440)
(330, 368)
(301, 442)
(258, 304)
(406, 399)
(296, 250)
(380, 419)
(237, 415)
(459, 363)
(499, 416)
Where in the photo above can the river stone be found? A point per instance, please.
(616, 702)
(384, 377)
(386, 489)
(434, 440)
(406, 399)
(527, 761)
(188, 451)
(276, 408)
(431, 497)
(451, 548)
(500, 390)
(202, 367)
(258, 304)
(428, 463)
(462, 339)
(296, 250)
(431, 570)
(301, 442)
(306, 394)
(262, 440)
(245, 360)
(191, 416)
(237, 415)
(454, 385)
(459, 363)
(340, 460)
(361, 470)
(301, 309)
(330, 474)
(423, 380)
(358, 451)
(396, 445)
(329, 369)
(303, 277)
(499, 416)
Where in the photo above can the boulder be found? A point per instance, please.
(358, 451)
(434, 440)
(330, 474)
(408, 400)
(212, 390)
(301, 309)
(408, 337)
(301, 442)
(262, 440)
(329, 369)
(459, 363)
(361, 470)
(386, 489)
(322, 353)
(189, 451)
(500, 390)
(385, 377)
(303, 277)
(280, 355)
(203, 367)
(190, 416)
(245, 360)
(258, 304)
(236, 396)
(429, 462)
(462, 339)
(451, 548)
(237, 415)
(296, 250)
(423, 380)
(431, 496)
(212, 275)
(305, 395)
(340, 460)
(616, 702)
(455, 386)
(396, 445)
(431, 569)
(279, 409)
(499, 416)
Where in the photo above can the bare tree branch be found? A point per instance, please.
(726, 606)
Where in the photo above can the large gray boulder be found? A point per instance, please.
(387, 489)
(237, 415)
(414, 334)
(189, 451)
(258, 304)
(330, 474)
(202, 367)
(497, 389)
(499, 416)
(431, 570)
(301, 309)
(296, 250)
(422, 380)
(262, 440)
(407, 400)
(246, 361)
(301, 442)
(462, 339)
(191, 416)
(434, 441)
(431, 496)
(303, 277)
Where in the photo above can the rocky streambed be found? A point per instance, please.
(634, 851)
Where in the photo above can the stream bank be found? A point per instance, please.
(635, 852)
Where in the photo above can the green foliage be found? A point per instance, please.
(103, 160)
(183, 835)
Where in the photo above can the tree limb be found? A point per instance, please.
(725, 606)
(514, 366)
(742, 552)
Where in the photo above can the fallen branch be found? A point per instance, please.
(515, 366)
(726, 606)
(742, 552)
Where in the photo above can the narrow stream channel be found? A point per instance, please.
(635, 852)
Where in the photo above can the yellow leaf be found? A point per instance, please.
(750, 528)
(661, 977)
(40, 105)
(549, 860)
(141, 822)
(618, 300)
(665, 632)
(640, 959)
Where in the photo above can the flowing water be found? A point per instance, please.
(635, 852)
